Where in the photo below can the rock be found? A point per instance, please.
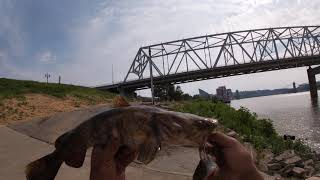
(293, 160)
(278, 177)
(313, 178)
(266, 155)
(298, 172)
(274, 166)
(309, 170)
(285, 155)
(264, 159)
(262, 166)
(286, 170)
(233, 134)
(308, 162)
(317, 156)
(308, 156)
(317, 165)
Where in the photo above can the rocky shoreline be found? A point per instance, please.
(290, 164)
(286, 165)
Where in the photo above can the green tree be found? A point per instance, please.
(160, 92)
(178, 93)
(170, 92)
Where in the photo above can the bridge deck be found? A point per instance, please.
(217, 72)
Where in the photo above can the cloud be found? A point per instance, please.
(8, 69)
(112, 32)
(46, 57)
(11, 35)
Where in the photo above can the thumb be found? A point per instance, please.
(107, 151)
(222, 140)
(125, 156)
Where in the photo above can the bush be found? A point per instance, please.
(259, 132)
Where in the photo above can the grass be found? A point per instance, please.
(259, 132)
(10, 88)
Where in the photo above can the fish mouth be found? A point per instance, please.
(206, 124)
(211, 120)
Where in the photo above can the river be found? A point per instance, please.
(293, 114)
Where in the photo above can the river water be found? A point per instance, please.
(293, 114)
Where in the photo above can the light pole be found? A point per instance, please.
(47, 75)
(151, 76)
(112, 74)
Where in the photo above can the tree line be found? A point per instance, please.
(170, 93)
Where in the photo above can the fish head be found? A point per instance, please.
(178, 128)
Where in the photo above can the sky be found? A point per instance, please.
(80, 40)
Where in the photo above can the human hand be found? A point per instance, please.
(232, 158)
(109, 162)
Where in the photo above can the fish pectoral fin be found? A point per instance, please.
(76, 157)
(72, 149)
(147, 151)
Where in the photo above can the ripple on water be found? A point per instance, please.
(293, 114)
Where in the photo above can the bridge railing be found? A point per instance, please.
(225, 49)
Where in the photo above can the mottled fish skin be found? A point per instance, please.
(143, 128)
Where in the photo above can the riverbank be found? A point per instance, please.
(274, 154)
(26, 100)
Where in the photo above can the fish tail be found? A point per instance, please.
(45, 168)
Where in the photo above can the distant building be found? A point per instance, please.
(237, 96)
(229, 94)
(224, 94)
(204, 94)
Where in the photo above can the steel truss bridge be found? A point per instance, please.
(221, 55)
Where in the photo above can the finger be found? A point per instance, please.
(107, 151)
(213, 175)
(125, 156)
(222, 140)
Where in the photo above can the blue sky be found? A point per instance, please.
(81, 39)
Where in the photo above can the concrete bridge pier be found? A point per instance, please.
(127, 92)
(312, 81)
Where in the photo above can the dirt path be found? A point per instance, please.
(47, 129)
(38, 106)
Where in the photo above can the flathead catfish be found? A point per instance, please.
(140, 127)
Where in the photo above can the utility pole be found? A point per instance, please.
(47, 75)
(151, 76)
(112, 74)
(294, 87)
(59, 79)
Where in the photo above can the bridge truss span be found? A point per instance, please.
(205, 55)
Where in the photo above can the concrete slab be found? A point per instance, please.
(17, 150)
(47, 129)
